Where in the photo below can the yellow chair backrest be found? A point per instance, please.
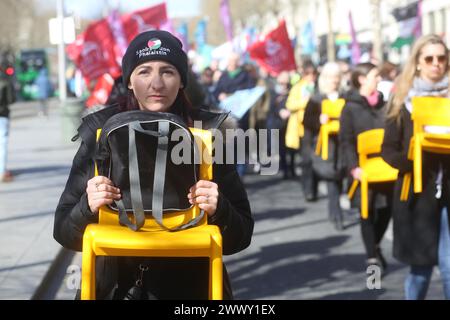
(333, 108)
(203, 138)
(434, 111)
(369, 142)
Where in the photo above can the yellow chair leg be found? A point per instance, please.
(405, 187)
(325, 145)
(353, 188)
(88, 271)
(319, 143)
(417, 166)
(364, 197)
(216, 270)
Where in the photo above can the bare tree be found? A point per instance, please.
(21, 27)
(331, 52)
(377, 32)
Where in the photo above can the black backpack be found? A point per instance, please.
(135, 150)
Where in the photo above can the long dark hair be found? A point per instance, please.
(361, 69)
(181, 107)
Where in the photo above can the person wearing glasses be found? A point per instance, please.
(421, 224)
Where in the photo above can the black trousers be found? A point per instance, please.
(309, 178)
(334, 206)
(374, 227)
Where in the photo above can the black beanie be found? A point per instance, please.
(154, 45)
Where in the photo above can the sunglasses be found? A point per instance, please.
(430, 59)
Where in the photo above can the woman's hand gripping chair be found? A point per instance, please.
(109, 238)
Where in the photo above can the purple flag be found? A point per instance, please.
(356, 50)
(167, 26)
(225, 16)
(121, 43)
(418, 27)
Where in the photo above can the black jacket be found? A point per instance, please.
(167, 278)
(356, 117)
(229, 85)
(6, 97)
(313, 109)
(416, 221)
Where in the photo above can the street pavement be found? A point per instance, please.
(295, 252)
(39, 157)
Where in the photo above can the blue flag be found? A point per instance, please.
(242, 100)
(307, 39)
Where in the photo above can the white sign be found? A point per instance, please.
(55, 30)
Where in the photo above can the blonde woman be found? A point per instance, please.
(421, 229)
(314, 168)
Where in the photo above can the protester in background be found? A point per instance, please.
(316, 167)
(421, 224)
(296, 103)
(388, 73)
(6, 98)
(365, 110)
(235, 78)
(44, 88)
(258, 113)
(277, 120)
(346, 73)
(208, 85)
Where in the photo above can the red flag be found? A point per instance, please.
(101, 91)
(143, 20)
(274, 52)
(93, 51)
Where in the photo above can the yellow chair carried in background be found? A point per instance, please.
(333, 109)
(431, 133)
(108, 238)
(374, 168)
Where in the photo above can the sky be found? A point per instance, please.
(90, 9)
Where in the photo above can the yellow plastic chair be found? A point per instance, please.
(333, 109)
(427, 112)
(374, 168)
(108, 238)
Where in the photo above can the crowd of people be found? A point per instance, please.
(376, 96)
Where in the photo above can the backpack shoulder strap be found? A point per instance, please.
(158, 183)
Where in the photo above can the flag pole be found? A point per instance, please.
(61, 52)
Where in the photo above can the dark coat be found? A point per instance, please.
(176, 278)
(416, 221)
(356, 117)
(6, 97)
(277, 103)
(229, 85)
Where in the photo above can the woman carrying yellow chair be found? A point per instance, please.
(421, 229)
(365, 110)
(314, 166)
